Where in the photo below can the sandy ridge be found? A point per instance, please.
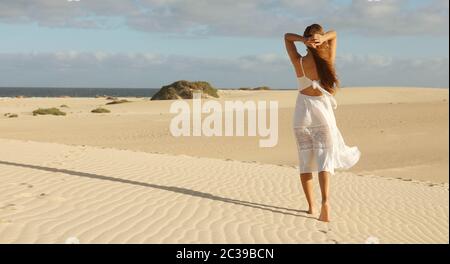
(51, 192)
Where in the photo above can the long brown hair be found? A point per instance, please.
(325, 68)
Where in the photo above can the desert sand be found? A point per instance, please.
(122, 178)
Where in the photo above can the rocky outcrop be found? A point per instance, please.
(184, 90)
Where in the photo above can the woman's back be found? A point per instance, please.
(306, 69)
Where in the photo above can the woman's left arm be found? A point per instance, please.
(331, 38)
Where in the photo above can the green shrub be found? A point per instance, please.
(49, 111)
(100, 110)
(11, 115)
(118, 102)
(265, 88)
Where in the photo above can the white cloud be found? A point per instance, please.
(378, 70)
(98, 69)
(251, 18)
(394, 17)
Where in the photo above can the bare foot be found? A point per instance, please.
(324, 213)
(311, 210)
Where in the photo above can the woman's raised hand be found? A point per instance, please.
(309, 41)
(318, 39)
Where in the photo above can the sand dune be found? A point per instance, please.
(123, 178)
(51, 192)
(402, 132)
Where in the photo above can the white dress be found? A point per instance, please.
(319, 141)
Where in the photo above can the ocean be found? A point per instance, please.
(77, 92)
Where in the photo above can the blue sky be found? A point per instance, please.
(149, 43)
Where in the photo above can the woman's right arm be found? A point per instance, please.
(289, 39)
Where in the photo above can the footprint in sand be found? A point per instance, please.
(26, 184)
(327, 232)
(403, 179)
(334, 241)
(10, 206)
(51, 198)
(42, 195)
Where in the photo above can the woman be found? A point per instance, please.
(321, 147)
